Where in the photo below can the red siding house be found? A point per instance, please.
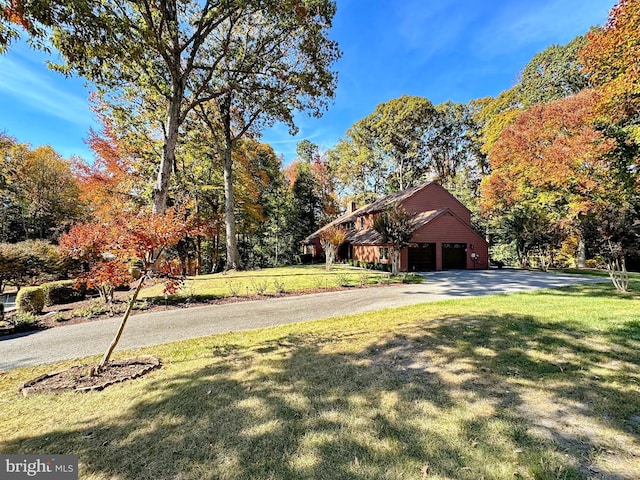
(442, 239)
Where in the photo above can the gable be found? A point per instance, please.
(435, 197)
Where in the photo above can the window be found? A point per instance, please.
(361, 222)
(384, 253)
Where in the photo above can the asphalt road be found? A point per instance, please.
(81, 340)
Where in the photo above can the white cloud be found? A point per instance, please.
(522, 24)
(35, 87)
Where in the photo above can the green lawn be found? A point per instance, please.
(271, 281)
(541, 385)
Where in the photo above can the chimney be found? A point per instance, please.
(351, 207)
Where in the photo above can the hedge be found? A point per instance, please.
(58, 293)
(30, 300)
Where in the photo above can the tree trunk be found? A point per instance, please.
(161, 187)
(581, 256)
(330, 254)
(618, 274)
(116, 339)
(233, 257)
(395, 261)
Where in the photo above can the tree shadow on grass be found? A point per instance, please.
(493, 397)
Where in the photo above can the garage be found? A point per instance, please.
(422, 257)
(454, 256)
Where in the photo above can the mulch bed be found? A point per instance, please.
(83, 378)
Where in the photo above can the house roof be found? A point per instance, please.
(368, 236)
(377, 206)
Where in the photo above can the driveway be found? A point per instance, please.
(81, 340)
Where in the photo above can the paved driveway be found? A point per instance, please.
(75, 341)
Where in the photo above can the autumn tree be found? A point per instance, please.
(552, 74)
(39, 190)
(110, 184)
(611, 57)
(330, 239)
(395, 226)
(16, 18)
(110, 247)
(553, 158)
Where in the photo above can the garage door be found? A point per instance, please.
(422, 257)
(454, 256)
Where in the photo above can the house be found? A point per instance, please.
(443, 238)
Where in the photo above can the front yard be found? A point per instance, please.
(272, 281)
(541, 385)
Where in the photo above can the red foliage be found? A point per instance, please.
(550, 153)
(110, 247)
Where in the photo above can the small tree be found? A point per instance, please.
(618, 229)
(110, 247)
(331, 238)
(395, 226)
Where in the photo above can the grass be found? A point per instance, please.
(542, 385)
(271, 281)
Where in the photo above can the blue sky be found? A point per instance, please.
(439, 49)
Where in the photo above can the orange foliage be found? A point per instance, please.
(550, 154)
(612, 60)
(109, 247)
(14, 12)
(105, 185)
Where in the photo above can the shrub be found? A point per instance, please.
(342, 280)
(24, 321)
(30, 300)
(259, 286)
(279, 286)
(64, 291)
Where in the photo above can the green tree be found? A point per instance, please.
(398, 133)
(278, 61)
(618, 236)
(554, 73)
(360, 176)
(158, 50)
(304, 216)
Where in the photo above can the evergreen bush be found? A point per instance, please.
(30, 300)
(61, 292)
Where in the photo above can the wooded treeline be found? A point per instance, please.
(549, 168)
